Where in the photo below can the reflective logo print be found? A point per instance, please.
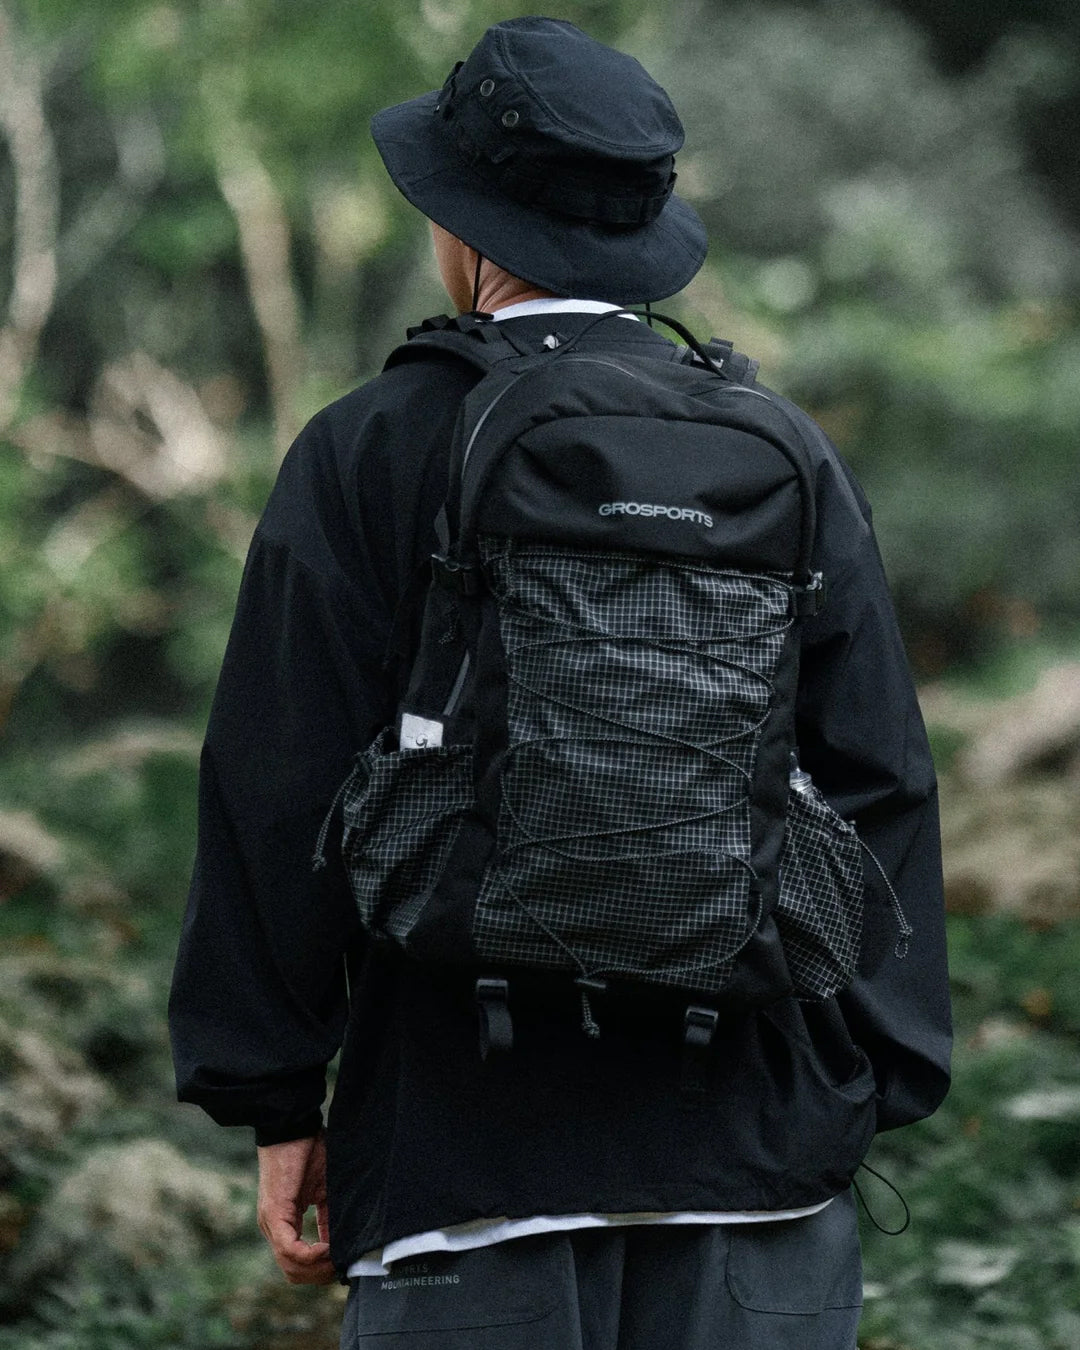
(414, 1274)
(412, 1281)
(649, 510)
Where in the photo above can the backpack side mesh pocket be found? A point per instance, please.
(402, 811)
(820, 908)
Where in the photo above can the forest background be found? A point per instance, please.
(199, 248)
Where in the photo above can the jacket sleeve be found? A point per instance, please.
(861, 736)
(258, 1002)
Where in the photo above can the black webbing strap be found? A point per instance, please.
(699, 1028)
(738, 367)
(496, 1025)
(733, 365)
(398, 646)
(442, 528)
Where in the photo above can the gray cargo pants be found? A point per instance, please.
(756, 1286)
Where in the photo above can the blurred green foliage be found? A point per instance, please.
(200, 248)
(887, 247)
(993, 1179)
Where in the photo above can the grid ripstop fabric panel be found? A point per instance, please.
(638, 687)
(820, 907)
(402, 810)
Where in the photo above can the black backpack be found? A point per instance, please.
(594, 772)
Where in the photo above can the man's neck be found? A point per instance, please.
(499, 290)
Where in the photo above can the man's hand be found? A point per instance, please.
(292, 1178)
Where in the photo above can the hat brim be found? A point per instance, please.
(564, 256)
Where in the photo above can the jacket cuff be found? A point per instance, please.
(305, 1128)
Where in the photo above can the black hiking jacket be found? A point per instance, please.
(274, 975)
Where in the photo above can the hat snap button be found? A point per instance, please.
(510, 118)
(487, 88)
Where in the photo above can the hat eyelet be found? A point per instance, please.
(510, 119)
(487, 88)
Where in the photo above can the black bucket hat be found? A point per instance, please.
(553, 156)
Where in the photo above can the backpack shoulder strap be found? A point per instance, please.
(481, 342)
(736, 367)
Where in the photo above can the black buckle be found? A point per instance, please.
(699, 1028)
(454, 576)
(496, 1025)
(810, 599)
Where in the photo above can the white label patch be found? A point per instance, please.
(419, 733)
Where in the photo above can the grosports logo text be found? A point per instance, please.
(649, 509)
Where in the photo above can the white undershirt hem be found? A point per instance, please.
(462, 1237)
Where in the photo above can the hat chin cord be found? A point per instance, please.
(476, 281)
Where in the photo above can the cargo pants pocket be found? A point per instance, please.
(515, 1295)
(798, 1266)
